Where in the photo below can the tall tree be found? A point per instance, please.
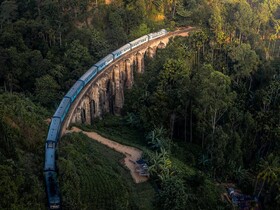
(47, 90)
(244, 62)
(8, 12)
(213, 97)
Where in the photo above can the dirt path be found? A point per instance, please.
(131, 154)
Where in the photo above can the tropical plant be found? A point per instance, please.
(160, 165)
(157, 139)
(269, 172)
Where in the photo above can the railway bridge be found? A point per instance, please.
(105, 92)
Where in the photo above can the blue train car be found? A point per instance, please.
(50, 156)
(104, 62)
(139, 41)
(62, 109)
(75, 90)
(50, 146)
(117, 53)
(54, 129)
(89, 75)
(52, 190)
(155, 35)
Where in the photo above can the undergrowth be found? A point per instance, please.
(93, 177)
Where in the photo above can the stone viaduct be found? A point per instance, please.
(105, 93)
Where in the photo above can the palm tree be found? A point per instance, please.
(269, 172)
(161, 165)
(156, 138)
(240, 174)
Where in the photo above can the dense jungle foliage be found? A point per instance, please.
(22, 136)
(209, 102)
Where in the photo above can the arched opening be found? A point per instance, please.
(139, 62)
(161, 45)
(83, 115)
(149, 53)
(108, 86)
(110, 97)
(128, 73)
(123, 77)
(92, 111)
(111, 104)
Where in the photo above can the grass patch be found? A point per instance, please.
(115, 128)
(92, 177)
(184, 159)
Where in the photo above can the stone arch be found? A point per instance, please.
(94, 96)
(92, 107)
(139, 62)
(108, 86)
(116, 73)
(150, 52)
(123, 76)
(83, 115)
(161, 45)
(110, 96)
(129, 73)
(101, 102)
(106, 93)
(85, 110)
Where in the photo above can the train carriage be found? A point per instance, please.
(104, 62)
(75, 90)
(89, 75)
(157, 34)
(139, 41)
(117, 53)
(52, 190)
(63, 108)
(50, 145)
(50, 156)
(54, 129)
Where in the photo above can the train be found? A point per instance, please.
(51, 143)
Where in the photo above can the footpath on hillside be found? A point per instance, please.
(132, 154)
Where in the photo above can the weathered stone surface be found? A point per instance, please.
(129, 73)
(118, 90)
(150, 52)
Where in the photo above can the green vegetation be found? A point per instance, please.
(22, 135)
(118, 129)
(217, 91)
(93, 177)
(164, 168)
(206, 110)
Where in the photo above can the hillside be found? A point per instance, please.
(22, 134)
(93, 177)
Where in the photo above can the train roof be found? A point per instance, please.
(54, 129)
(88, 73)
(137, 40)
(52, 187)
(74, 88)
(160, 32)
(121, 48)
(107, 57)
(62, 106)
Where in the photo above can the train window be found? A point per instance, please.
(50, 145)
